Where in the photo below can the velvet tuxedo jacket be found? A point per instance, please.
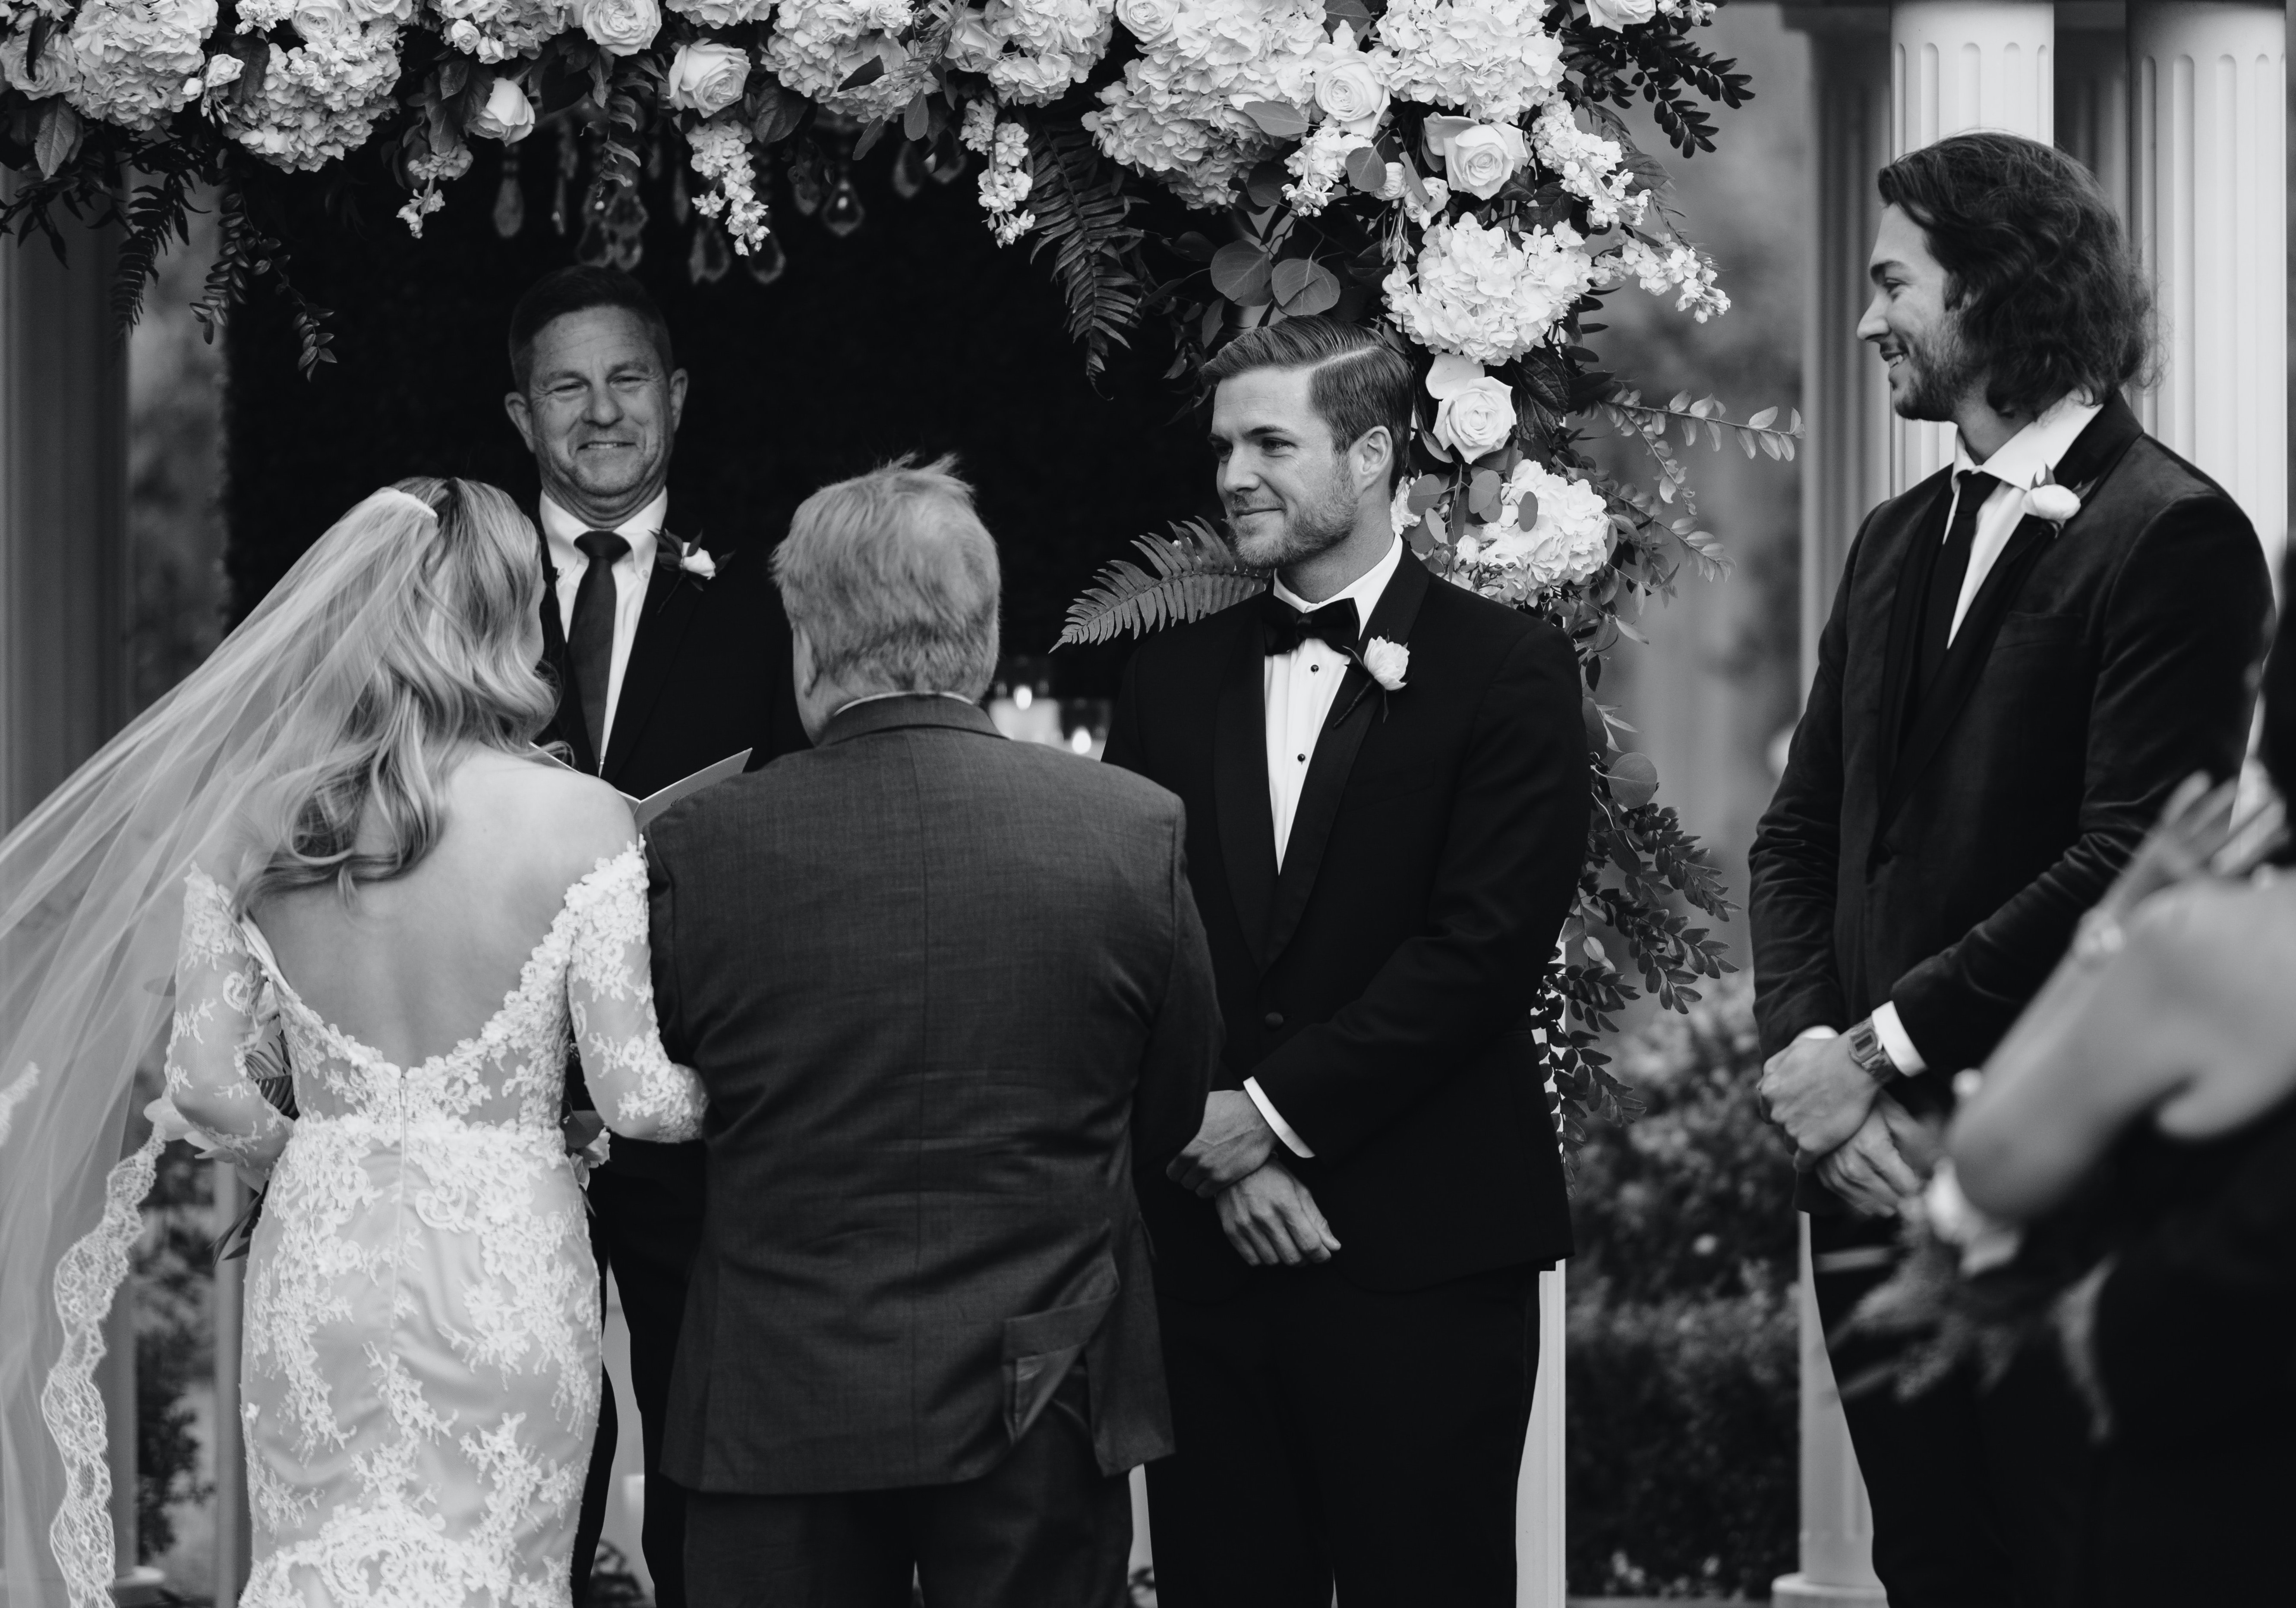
(943, 989)
(1378, 987)
(708, 674)
(1942, 864)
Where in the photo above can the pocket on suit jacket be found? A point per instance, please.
(1040, 1348)
(2039, 631)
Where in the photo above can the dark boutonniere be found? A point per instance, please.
(1388, 664)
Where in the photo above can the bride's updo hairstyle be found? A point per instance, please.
(424, 647)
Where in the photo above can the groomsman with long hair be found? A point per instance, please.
(2027, 651)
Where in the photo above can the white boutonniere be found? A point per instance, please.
(588, 1144)
(1387, 662)
(694, 560)
(2054, 502)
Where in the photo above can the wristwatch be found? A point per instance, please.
(1866, 1050)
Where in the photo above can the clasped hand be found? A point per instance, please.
(1844, 1128)
(1230, 1145)
(1272, 1220)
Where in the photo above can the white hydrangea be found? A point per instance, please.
(1484, 294)
(1319, 164)
(719, 150)
(1177, 112)
(319, 100)
(1677, 268)
(1588, 166)
(1032, 51)
(495, 31)
(819, 44)
(135, 63)
(1566, 545)
(1489, 58)
(721, 14)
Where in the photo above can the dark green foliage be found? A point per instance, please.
(1082, 213)
(1682, 1374)
(1194, 573)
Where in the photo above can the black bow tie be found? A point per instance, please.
(1283, 628)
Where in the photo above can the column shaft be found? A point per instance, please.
(1538, 1507)
(2209, 212)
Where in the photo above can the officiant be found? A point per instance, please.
(669, 654)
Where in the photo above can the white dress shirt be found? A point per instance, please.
(1297, 690)
(2020, 465)
(642, 530)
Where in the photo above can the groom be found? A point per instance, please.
(2027, 651)
(946, 993)
(667, 657)
(1347, 1253)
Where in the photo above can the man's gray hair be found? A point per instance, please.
(894, 580)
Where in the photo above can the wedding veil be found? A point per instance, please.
(91, 901)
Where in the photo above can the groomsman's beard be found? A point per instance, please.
(1298, 533)
(1938, 372)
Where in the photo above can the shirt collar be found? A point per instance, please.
(1364, 591)
(641, 530)
(879, 697)
(2036, 449)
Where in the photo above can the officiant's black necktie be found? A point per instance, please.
(1946, 580)
(1284, 627)
(590, 634)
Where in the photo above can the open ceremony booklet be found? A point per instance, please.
(653, 803)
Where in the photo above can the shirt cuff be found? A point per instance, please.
(1896, 1040)
(1817, 1033)
(1291, 1141)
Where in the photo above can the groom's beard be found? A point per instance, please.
(1938, 372)
(1296, 533)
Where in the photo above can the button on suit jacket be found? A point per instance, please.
(1941, 862)
(1378, 987)
(946, 993)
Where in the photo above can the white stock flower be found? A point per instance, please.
(1319, 164)
(707, 78)
(619, 27)
(1489, 58)
(721, 14)
(1589, 167)
(1620, 14)
(1005, 182)
(1351, 93)
(1568, 541)
(1477, 158)
(1679, 268)
(1486, 295)
(719, 150)
(1476, 418)
(495, 31)
(507, 116)
(133, 64)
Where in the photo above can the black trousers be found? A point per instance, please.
(647, 1232)
(1044, 1529)
(1978, 1494)
(1329, 1433)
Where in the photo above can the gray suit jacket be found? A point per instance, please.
(947, 991)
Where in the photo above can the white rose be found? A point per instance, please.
(401, 11)
(53, 76)
(619, 27)
(1351, 95)
(1476, 418)
(973, 46)
(707, 78)
(1388, 662)
(320, 19)
(1151, 21)
(722, 13)
(2054, 503)
(1620, 14)
(1477, 158)
(508, 115)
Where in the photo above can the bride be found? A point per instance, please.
(345, 808)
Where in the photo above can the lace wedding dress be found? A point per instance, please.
(421, 1365)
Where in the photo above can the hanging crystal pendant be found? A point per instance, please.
(804, 182)
(908, 172)
(681, 205)
(569, 157)
(706, 263)
(844, 213)
(510, 197)
(768, 262)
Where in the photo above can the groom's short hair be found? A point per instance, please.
(1359, 381)
(2039, 272)
(894, 580)
(578, 290)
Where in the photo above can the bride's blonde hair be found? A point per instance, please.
(444, 605)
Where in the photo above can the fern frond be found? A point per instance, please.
(1096, 249)
(1190, 574)
(154, 213)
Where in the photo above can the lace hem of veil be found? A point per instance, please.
(87, 1280)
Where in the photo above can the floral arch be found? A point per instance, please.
(1457, 170)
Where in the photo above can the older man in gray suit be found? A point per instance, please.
(947, 993)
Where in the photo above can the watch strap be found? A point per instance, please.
(1871, 1056)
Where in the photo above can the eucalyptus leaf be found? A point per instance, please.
(1634, 780)
(1239, 272)
(1483, 493)
(1303, 286)
(1365, 171)
(1280, 118)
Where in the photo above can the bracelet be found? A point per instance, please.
(1867, 1052)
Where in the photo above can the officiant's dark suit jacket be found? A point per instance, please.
(946, 993)
(2096, 668)
(1378, 987)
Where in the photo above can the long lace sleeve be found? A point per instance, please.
(219, 987)
(640, 1091)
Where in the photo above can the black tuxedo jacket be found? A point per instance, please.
(943, 989)
(1378, 987)
(1942, 865)
(708, 674)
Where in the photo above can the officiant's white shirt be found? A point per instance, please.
(642, 530)
(1297, 690)
(2020, 465)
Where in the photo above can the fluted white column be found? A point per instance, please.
(2092, 94)
(2209, 187)
(1539, 1509)
(1955, 65)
